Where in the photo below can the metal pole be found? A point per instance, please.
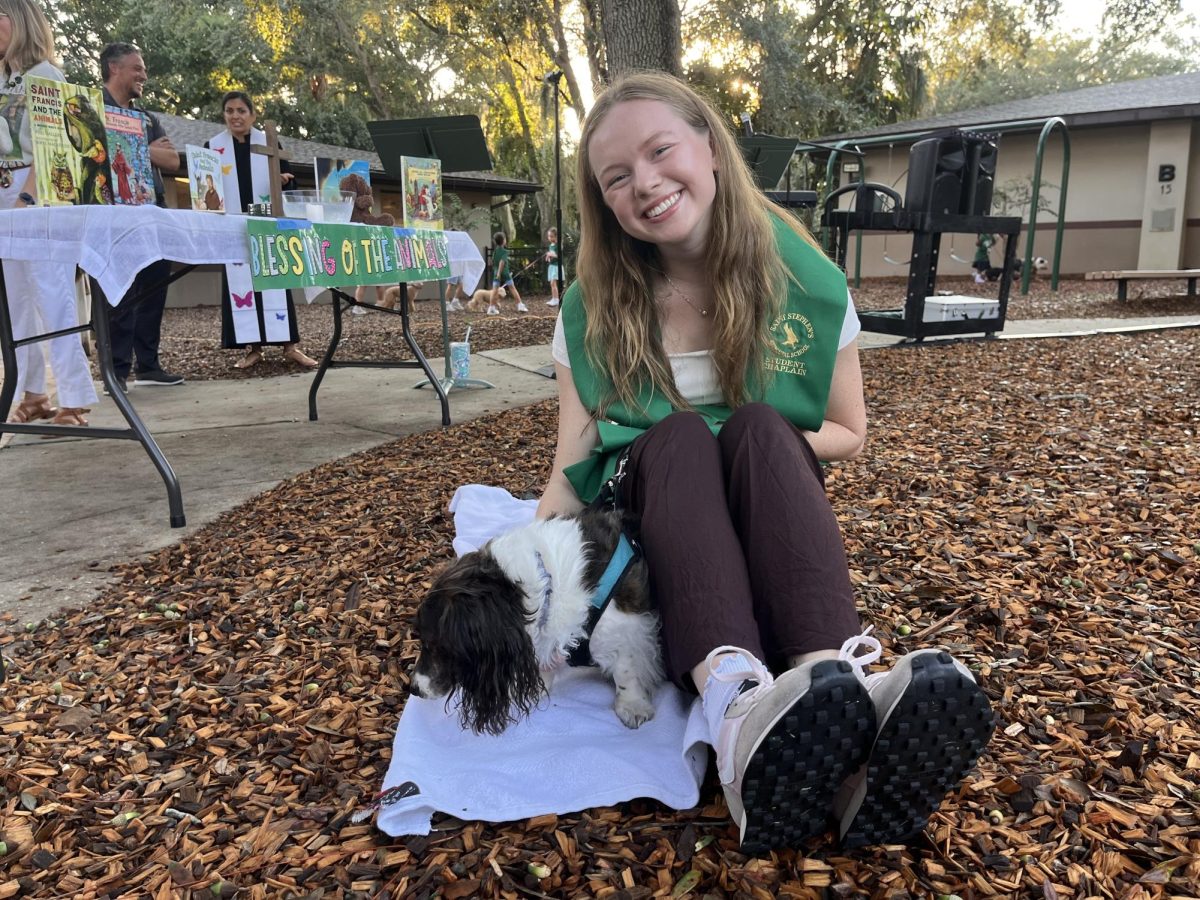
(558, 225)
(1027, 267)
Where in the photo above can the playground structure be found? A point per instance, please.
(948, 192)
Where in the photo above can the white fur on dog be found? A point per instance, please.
(570, 754)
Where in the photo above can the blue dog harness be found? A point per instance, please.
(627, 552)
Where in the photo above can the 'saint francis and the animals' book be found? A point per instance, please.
(70, 143)
(422, 181)
(206, 179)
(129, 156)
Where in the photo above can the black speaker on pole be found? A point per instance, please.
(935, 173)
(979, 174)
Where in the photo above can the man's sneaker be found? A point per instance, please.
(121, 383)
(157, 378)
(934, 722)
(521, 307)
(785, 744)
(455, 305)
(493, 310)
(553, 301)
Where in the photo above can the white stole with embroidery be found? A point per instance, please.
(242, 299)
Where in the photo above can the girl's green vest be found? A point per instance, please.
(806, 337)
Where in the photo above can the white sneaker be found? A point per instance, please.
(521, 307)
(979, 279)
(493, 311)
(455, 305)
(553, 301)
(784, 745)
(358, 310)
(934, 722)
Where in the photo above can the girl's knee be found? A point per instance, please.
(756, 418)
(683, 426)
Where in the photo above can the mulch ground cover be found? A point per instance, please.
(208, 725)
(191, 337)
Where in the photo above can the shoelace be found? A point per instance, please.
(724, 732)
(848, 653)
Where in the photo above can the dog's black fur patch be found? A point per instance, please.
(473, 638)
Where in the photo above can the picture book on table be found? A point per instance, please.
(330, 172)
(12, 118)
(206, 180)
(128, 156)
(70, 143)
(422, 181)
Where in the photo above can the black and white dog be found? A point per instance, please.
(499, 621)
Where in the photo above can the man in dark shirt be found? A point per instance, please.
(136, 328)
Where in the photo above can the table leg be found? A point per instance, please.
(327, 359)
(140, 432)
(416, 350)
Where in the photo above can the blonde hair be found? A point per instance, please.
(32, 40)
(615, 271)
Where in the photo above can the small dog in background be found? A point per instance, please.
(485, 297)
(1040, 267)
(391, 297)
(500, 620)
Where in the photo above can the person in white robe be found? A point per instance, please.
(251, 319)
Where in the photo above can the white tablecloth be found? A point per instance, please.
(114, 243)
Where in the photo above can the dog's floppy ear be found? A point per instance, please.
(487, 652)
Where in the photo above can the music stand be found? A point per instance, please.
(767, 156)
(458, 142)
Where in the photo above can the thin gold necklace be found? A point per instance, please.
(686, 298)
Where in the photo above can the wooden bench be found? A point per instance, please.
(1123, 277)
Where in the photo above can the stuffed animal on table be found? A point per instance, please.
(364, 200)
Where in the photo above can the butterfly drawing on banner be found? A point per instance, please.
(220, 150)
(264, 198)
(226, 169)
(282, 317)
(244, 301)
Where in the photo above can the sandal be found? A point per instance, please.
(250, 360)
(300, 358)
(70, 415)
(31, 408)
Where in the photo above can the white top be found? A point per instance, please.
(695, 373)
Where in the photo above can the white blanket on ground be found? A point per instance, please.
(572, 753)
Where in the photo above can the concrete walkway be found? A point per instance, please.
(71, 508)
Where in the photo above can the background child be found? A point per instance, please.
(552, 265)
(502, 274)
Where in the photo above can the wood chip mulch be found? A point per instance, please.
(207, 726)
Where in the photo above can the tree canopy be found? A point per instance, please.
(323, 68)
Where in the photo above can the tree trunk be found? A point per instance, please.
(642, 34)
(593, 41)
(535, 173)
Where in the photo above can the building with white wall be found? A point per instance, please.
(1133, 198)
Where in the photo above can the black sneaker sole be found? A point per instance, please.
(793, 774)
(926, 746)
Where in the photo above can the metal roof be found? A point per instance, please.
(1124, 102)
(184, 131)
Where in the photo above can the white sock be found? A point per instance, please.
(719, 694)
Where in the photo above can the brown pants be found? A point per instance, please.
(742, 545)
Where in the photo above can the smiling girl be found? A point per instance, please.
(706, 362)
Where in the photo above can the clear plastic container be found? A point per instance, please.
(312, 206)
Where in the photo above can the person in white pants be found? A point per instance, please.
(41, 294)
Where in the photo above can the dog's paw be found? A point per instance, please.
(633, 711)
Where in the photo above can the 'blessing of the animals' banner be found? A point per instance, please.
(291, 253)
